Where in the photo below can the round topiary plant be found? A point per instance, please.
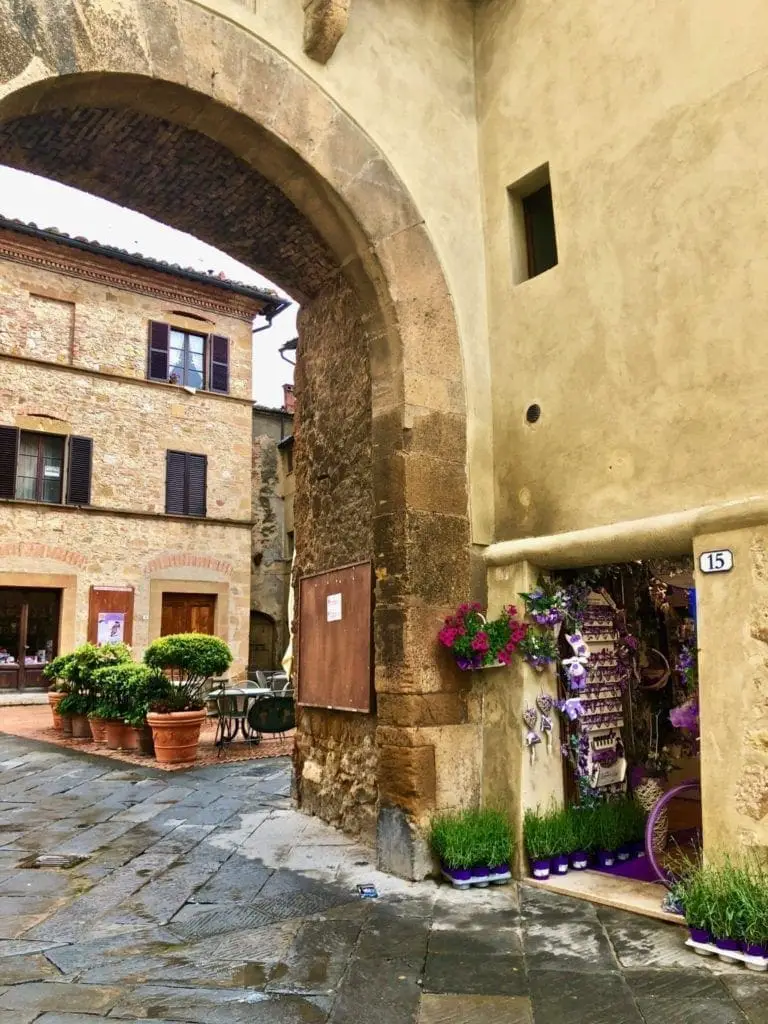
(190, 660)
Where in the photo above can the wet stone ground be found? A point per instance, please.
(204, 898)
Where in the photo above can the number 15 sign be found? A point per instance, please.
(716, 561)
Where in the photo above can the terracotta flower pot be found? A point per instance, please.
(176, 735)
(98, 730)
(81, 727)
(54, 697)
(66, 725)
(117, 738)
(131, 739)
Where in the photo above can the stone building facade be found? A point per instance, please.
(493, 402)
(273, 535)
(125, 450)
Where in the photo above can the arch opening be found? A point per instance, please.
(343, 238)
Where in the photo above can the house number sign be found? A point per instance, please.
(716, 561)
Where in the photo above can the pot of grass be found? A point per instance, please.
(583, 825)
(609, 833)
(539, 835)
(753, 898)
(474, 847)
(564, 840)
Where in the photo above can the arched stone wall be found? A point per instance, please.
(188, 118)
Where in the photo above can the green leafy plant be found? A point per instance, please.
(608, 825)
(189, 660)
(538, 647)
(76, 671)
(468, 839)
(74, 703)
(127, 690)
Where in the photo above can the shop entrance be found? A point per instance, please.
(29, 636)
(628, 683)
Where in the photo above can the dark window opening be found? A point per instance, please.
(185, 484)
(539, 220)
(289, 546)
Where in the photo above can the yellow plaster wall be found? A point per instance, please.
(644, 346)
(733, 691)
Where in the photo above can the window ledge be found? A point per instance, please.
(128, 513)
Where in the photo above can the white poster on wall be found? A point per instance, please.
(110, 628)
(333, 608)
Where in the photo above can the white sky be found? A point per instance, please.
(49, 204)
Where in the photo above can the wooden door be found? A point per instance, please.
(188, 613)
(261, 654)
(29, 633)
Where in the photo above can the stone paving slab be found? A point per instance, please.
(203, 897)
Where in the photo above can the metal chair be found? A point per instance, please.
(233, 708)
(273, 714)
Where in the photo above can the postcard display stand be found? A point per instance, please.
(603, 716)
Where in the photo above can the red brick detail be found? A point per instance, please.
(170, 560)
(22, 549)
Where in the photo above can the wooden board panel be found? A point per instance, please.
(111, 601)
(336, 640)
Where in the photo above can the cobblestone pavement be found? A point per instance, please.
(204, 898)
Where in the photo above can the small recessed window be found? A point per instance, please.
(534, 243)
(540, 242)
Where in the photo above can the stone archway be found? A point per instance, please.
(234, 143)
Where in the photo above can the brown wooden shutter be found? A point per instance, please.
(9, 445)
(175, 474)
(157, 351)
(218, 374)
(197, 472)
(79, 478)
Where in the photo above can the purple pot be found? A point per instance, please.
(560, 864)
(606, 859)
(458, 874)
(499, 869)
(728, 945)
(480, 876)
(540, 868)
(638, 848)
(758, 951)
(579, 860)
(624, 853)
(700, 935)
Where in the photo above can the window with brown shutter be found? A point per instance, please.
(178, 356)
(79, 476)
(185, 483)
(9, 444)
(33, 467)
(157, 351)
(218, 375)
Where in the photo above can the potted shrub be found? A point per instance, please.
(77, 670)
(98, 725)
(190, 661)
(126, 690)
(56, 671)
(474, 847)
(540, 841)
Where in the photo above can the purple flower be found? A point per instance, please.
(686, 716)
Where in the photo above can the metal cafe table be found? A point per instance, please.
(232, 704)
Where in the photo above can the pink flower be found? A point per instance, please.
(505, 656)
(481, 643)
(447, 636)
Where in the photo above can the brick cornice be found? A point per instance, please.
(105, 271)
